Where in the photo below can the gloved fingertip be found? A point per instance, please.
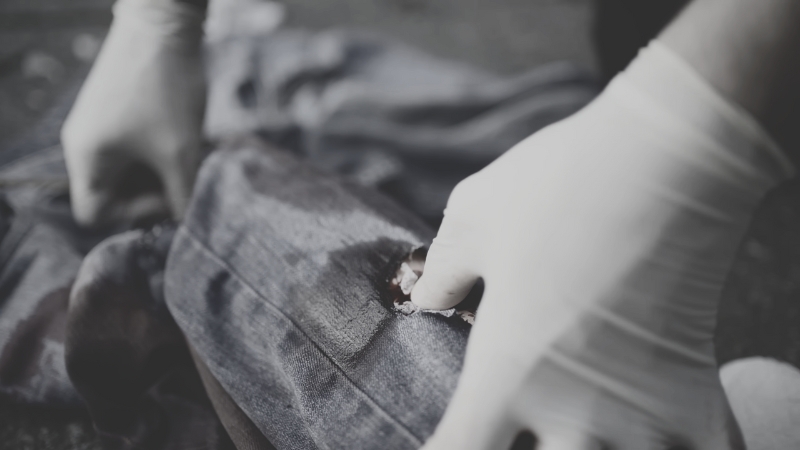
(420, 295)
(177, 193)
(445, 279)
(87, 206)
(441, 292)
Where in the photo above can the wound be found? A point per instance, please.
(403, 282)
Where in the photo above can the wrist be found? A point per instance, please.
(746, 50)
(712, 134)
(682, 170)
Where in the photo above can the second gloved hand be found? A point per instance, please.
(132, 140)
(604, 241)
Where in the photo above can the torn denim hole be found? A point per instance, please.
(403, 282)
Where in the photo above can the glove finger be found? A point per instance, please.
(87, 203)
(446, 278)
(85, 200)
(178, 176)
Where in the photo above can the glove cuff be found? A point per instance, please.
(693, 104)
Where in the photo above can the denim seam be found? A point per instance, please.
(184, 229)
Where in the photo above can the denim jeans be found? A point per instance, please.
(279, 279)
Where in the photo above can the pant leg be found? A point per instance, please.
(242, 431)
(279, 280)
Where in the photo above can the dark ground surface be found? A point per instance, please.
(45, 48)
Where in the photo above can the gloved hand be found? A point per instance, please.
(604, 241)
(132, 140)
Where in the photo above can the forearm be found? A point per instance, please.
(747, 50)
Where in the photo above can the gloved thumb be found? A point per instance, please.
(448, 274)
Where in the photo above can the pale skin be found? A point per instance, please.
(745, 49)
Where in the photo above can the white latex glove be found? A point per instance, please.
(603, 241)
(139, 112)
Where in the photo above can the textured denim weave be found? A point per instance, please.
(278, 278)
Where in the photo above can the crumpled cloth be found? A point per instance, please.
(380, 113)
(370, 110)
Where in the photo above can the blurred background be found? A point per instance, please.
(47, 46)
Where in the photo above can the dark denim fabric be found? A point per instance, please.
(279, 278)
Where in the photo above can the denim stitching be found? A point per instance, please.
(184, 229)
